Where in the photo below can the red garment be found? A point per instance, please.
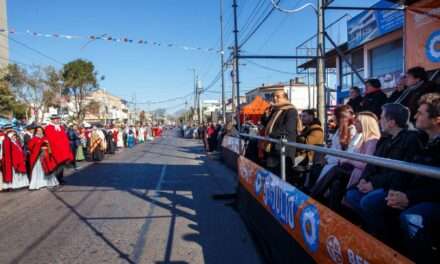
(59, 144)
(115, 136)
(13, 158)
(41, 145)
(210, 131)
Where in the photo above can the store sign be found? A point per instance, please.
(423, 35)
(390, 80)
(323, 234)
(371, 24)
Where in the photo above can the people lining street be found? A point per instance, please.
(35, 158)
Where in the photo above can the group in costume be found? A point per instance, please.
(36, 158)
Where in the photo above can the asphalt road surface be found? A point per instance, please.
(149, 204)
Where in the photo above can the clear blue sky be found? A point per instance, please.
(159, 73)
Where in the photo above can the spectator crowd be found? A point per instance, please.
(35, 157)
(401, 209)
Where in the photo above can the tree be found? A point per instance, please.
(56, 91)
(79, 78)
(30, 88)
(93, 107)
(7, 101)
(8, 104)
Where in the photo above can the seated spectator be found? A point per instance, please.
(374, 97)
(348, 172)
(418, 85)
(355, 99)
(420, 202)
(312, 134)
(367, 199)
(345, 138)
(398, 90)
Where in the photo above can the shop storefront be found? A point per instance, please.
(374, 49)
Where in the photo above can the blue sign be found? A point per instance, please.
(371, 24)
(432, 47)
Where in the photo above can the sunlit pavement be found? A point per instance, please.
(149, 204)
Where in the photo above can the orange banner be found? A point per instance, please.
(422, 34)
(324, 235)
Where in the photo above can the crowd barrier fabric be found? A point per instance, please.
(323, 234)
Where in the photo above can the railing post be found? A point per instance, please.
(283, 142)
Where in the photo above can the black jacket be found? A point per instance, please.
(355, 103)
(286, 125)
(403, 147)
(411, 100)
(394, 96)
(422, 188)
(373, 102)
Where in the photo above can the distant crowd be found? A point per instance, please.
(35, 157)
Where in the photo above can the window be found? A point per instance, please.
(386, 59)
(349, 78)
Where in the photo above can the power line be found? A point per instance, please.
(269, 68)
(33, 49)
(258, 26)
(16, 62)
(163, 101)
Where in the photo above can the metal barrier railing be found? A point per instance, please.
(399, 165)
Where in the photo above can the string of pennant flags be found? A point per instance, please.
(109, 38)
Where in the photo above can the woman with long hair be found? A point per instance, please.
(42, 163)
(331, 188)
(345, 137)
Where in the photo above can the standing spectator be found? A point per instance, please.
(82, 145)
(367, 199)
(418, 85)
(355, 99)
(420, 202)
(282, 122)
(374, 97)
(210, 136)
(398, 90)
(59, 145)
(74, 141)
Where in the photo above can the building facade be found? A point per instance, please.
(302, 96)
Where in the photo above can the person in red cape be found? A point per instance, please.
(41, 161)
(59, 145)
(13, 163)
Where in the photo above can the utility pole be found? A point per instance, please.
(222, 61)
(234, 85)
(186, 112)
(236, 54)
(199, 108)
(320, 74)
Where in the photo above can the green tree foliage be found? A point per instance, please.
(9, 106)
(79, 78)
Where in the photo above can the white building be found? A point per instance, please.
(111, 108)
(301, 95)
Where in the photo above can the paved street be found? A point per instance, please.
(150, 204)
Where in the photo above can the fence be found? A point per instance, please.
(403, 166)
